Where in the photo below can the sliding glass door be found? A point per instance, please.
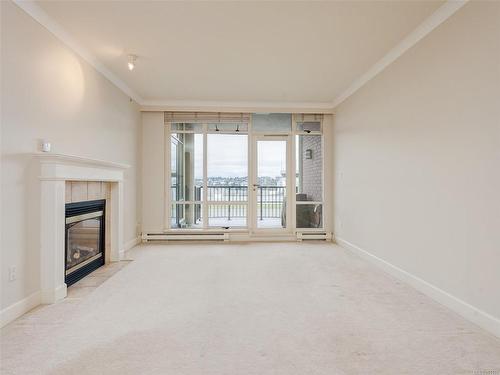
(270, 186)
(261, 173)
(227, 180)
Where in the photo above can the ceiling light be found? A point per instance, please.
(131, 62)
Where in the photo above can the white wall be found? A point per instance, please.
(417, 161)
(153, 171)
(49, 92)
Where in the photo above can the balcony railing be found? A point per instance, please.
(270, 201)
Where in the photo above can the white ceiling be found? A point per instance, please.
(239, 51)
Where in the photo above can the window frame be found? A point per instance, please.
(204, 202)
(296, 132)
(293, 132)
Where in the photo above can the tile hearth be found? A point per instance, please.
(87, 285)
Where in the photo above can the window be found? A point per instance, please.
(181, 126)
(215, 144)
(213, 183)
(272, 172)
(278, 123)
(186, 179)
(186, 166)
(309, 181)
(227, 215)
(308, 123)
(227, 179)
(309, 127)
(186, 216)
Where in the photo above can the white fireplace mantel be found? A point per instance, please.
(55, 170)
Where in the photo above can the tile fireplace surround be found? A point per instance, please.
(55, 171)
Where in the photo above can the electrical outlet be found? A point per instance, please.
(12, 273)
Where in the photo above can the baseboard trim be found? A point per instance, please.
(19, 308)
(133, 242)
(469, 312)
(129, 245)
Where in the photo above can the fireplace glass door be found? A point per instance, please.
(84, 239)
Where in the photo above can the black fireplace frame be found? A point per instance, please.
(80, 208)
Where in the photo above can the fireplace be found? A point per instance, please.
(85, 241)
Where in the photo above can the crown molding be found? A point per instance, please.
(444, 12)
(39, 15)
(434, 20)
(236, 106)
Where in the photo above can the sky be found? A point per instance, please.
(227, 156)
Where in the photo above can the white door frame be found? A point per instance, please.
(252, 208)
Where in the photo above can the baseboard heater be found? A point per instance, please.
(215, 236)
(303, 236)
(221, 236)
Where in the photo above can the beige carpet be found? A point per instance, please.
(217, 309)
